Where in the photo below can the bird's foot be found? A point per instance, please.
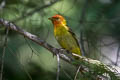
(60, 50)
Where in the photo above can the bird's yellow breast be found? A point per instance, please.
(66, 39)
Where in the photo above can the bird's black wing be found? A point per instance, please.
(73, 34)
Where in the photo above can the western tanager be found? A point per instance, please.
(63, 34)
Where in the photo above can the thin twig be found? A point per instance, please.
(82, 19)
(29, 47)
(22, 67)
(33, 49)
(107, 58)
(38, 9)
(3, 54)
(82, 44)
(58, 67)
(47, 34)
(78, 70)
(34, 38)
(72, 6)
(118, 51)
(2, 4)
(67, 74)
(90, 64)
(102, 54)
(107, 44)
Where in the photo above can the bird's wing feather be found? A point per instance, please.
(74, 36)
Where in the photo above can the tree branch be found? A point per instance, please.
(92, 67)
(3, 54)
(2, 4)
(35, 10)
(81, 21)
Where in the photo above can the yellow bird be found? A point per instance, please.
(63, 34)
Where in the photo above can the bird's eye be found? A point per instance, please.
(57, 19)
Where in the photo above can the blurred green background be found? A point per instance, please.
(98, 20)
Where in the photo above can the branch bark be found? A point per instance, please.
(92, 67)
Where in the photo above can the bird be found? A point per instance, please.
(64, 35)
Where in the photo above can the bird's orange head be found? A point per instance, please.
(58, 20)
